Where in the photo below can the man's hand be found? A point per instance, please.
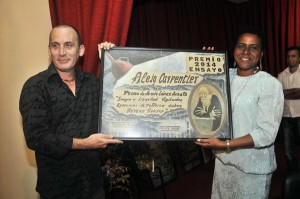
(105, 46)
(215, 113)
(200, 110)
(95, 141)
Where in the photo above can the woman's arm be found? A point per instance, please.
(214, 143)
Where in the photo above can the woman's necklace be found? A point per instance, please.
(240, 91)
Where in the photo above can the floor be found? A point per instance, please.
(196, 183)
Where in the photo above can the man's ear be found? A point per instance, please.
(49, 52)
(81, 50)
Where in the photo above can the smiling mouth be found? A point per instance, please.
(245, 59)
(63, 61)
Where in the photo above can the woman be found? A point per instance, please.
(244, 169)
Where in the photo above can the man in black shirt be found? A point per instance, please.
(59, 107)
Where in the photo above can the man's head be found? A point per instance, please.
(293, 56)
(65, 47)
(205, 95)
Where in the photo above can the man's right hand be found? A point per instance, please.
(95, 141)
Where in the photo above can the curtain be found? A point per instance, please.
(280, 21)
(97, 21)
(191, 24)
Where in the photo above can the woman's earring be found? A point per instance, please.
(234, 64)
(260, 65)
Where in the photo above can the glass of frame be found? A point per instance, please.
(165, 94)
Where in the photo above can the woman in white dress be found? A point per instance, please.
(244, 165)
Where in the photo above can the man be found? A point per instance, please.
(59, 107)
(290, 79)
(209, 106)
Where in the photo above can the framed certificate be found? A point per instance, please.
(165, 94)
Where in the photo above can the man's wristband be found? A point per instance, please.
(228, 146)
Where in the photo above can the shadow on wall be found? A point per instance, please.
(30, 155)
(29, 188)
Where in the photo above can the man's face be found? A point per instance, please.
(63, 48)
(205, 96)
(293, 58)
(203, 93)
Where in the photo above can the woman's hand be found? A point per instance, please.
(211, 143)
(245, 141)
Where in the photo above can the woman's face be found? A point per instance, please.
(247, 52)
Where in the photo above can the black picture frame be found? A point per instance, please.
(154, 94)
